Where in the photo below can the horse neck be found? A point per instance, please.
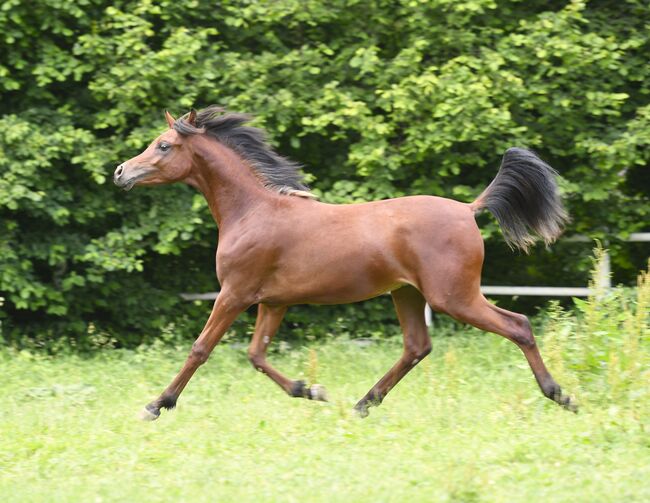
(226, 181)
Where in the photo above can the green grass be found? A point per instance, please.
(468, 424)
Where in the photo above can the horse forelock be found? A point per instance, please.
(276, 172)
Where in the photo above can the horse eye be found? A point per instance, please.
(164, 147)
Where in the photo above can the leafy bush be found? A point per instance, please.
(378, 99)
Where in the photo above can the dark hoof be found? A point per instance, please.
(149, 413)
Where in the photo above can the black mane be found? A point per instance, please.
(279, 173)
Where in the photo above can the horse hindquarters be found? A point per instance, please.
(451, 284)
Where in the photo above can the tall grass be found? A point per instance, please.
(601, 350)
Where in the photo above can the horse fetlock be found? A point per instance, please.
(373, 398)
(168, 401)
(299, 390)
(553, 391)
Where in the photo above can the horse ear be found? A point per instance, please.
(192, 118)
(170, 119)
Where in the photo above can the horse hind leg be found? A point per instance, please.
(516, 328)
(409, 304)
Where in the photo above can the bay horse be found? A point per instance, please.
(279, 246)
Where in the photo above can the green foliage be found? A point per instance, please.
(378, 99)
(606, 347)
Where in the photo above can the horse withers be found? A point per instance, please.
(278, 246)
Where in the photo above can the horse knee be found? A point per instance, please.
(199, 354)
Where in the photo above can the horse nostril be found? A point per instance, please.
(119, 171)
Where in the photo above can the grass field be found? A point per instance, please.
(468, 424)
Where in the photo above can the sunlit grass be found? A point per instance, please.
(468, 424)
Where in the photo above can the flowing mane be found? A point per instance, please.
(278, 173)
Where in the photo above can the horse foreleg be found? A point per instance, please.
(409, 304)
(266, 326)
(224, 312)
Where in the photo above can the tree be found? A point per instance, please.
(377, 99)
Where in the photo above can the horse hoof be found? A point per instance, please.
(318, 392)
(571, 406)
(147, 414)
(566, 402)
(362, 412)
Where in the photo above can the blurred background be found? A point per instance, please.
(376, 99)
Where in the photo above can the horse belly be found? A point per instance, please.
(342, 276)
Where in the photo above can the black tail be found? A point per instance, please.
(524, 199)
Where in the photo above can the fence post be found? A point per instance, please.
(603, 274)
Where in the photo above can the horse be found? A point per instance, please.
(279, 246)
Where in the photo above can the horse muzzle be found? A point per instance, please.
(126, 178)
